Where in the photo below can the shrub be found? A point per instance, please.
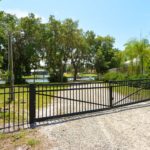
(139, 76)
(65, 79)
(114, 76)
(56, 78)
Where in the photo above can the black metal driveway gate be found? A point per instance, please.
(60, 100)
(36, 103)
(129, 92)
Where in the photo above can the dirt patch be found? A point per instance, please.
(29, 139)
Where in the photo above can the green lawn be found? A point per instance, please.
(88, 75)
(68, 75)
(81, 75)
(29, 77)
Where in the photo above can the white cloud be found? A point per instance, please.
(21, 13)
(16, 12)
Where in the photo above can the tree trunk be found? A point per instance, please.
(61, 73)
(75, 73)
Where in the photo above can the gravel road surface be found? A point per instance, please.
(127, 128)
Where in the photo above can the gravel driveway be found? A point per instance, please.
(126, 129)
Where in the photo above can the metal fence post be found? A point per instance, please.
(110, 95)
(32, 105)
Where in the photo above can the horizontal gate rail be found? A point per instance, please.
(70, 99)
(70, 89)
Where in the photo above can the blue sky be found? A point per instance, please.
(122, 19)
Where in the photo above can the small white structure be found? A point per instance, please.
(40, 70)
(135, 61)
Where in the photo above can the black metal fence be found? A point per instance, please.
(130, 92)
(59, 100)
(14, 113)
(36, 103)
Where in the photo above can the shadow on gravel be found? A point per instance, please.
(94, 114)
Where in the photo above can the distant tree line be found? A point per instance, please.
(57, 42)
(60, 43)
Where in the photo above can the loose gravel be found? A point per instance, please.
(127, 128)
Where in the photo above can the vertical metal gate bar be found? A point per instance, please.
(32, 105)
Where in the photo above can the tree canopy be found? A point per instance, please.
(138, 53)
(58, 43)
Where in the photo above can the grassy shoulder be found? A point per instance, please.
(25, 139)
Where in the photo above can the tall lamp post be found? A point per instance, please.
(10, 68)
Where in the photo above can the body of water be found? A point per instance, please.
(2, 82)
(82, 79)
(45, 80)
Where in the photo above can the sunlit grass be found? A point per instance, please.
(88, 75)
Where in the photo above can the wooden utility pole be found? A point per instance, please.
(10, 68)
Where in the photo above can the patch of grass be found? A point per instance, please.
(13, 136)
(33, 142)
(88, 75)
(68, 75)
(3, 136)
(2, 115)
(30, 77)
(81, 74)
(18, 136)
(22, 138)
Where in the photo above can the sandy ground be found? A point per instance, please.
(127, 128)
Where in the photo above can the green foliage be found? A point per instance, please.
(26, 46)
(106, 56)
(122, 76)
(57, 42)
(114, 76)
(137, 52)
(139, 76)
